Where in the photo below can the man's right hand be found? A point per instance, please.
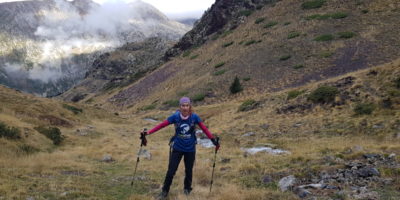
(143, 137)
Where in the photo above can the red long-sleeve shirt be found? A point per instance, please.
(166, 123)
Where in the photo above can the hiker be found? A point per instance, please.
(182, 143)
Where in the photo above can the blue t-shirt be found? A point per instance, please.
(185, 138)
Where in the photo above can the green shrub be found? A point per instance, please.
(293, 94)
(53, 133)
(339, 15)
(28, 149)
(286, 23)
(313, 4)
(194, 57)
(247, 105)
(259, 20)
(318, 16)
(346, 35)
(219, 65)
(298, 66)
(326, 37)
(364, 11)
(227, 44)
(326, 54)
(250, 42)
(172, 103)
(149, 107)
(397, 83)
(285, 57)
(293, 35)
(220, 72)
(226, 33)
(323, 94)
(364, 108)
(73, 109)
(236, 86)
(182, 93)
(270, 24)
(245, 13)
(246, 78)
(186, 53)
(9, 132)
(199, 97)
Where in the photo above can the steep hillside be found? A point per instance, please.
(282, 45)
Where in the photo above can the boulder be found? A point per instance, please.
(287, 183)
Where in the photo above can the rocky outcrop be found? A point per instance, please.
(120, 68)
(223, 15)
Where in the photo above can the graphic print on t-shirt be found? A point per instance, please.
(184, 128)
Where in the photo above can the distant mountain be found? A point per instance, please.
(47, 46)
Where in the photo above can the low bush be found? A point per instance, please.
(235, 86)
(270, 24)
(194, 57)
(293, 94)
(323, 94)
(326, 37)
(338, 15)
(9, 132)
(73, 109)
(285, 57)
(397, 83)
(149, 107)
(219, 65)
(245, 13)
(28, 149)
(227, 44)
(313, 4)
(293, 35)
(199, 97)
(220, 72)
(346, 35)
(186, 53)
(247, 105)
(298, 66)
(172, 103)
(53, 133)
(364, 108)
(259, 20)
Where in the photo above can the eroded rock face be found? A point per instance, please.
(224, 15)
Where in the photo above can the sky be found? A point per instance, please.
(174, 9)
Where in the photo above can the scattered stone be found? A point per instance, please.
(270, 150)
(30, 198)
(378, 126)
(397, 136)
(265, 126)
(225, 160)
(200, 134)
(150, 120)
(73, 173)
(267, 179)
(357, 148)
(90, 127)
(81, 132)
(287, 183)
(64, 194)
(107, 158)
(302, 193)
(249, 134)
(371, 156)
(297, 125)
(145, 154)
(392, 156)
(368, 172)
(312, 186)
(206, 143)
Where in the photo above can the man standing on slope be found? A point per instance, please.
(183, 144)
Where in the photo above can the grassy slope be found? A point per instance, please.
(74, 169)
(375, 42)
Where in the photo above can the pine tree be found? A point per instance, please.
(236, 86)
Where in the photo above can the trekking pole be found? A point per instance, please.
(215, 158)
(143, 142)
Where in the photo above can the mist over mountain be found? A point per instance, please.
(47, 46)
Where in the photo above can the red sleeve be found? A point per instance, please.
(158, 127)
(205, 130)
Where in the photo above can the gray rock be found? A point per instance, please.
(312, 186)
(287, 183)
(297, 125)
(150, 120)
(302, 193)
(357, 148)
(267, 179)
(378, 126)
(249, 134)
(30, 198)
(225, 160)
(392, 156)
(145, 154)
(107, 158)
(397, 136)
(265, 126)
(368, 172)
